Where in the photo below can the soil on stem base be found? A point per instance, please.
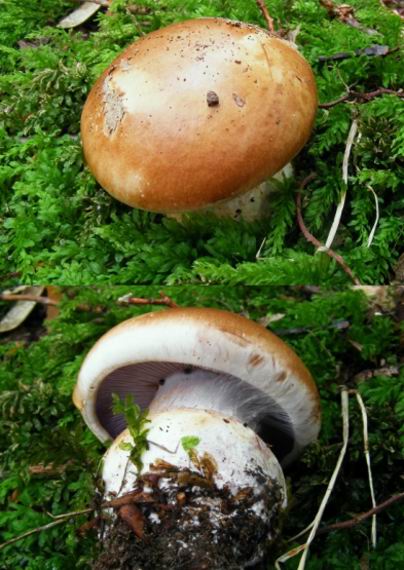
(192, 524)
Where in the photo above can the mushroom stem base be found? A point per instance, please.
(192, 524)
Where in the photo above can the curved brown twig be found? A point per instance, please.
(270, 22)
(338, 258)
(351, 95)
(363, 516)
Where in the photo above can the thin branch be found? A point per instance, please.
(338, 213)
(163, 300)
(269, 21)
(127, 499)
(366, 97)
(367, 456)
(27, 297)
(363, 516)
(384, 371)
(338, 258)
(44, 527)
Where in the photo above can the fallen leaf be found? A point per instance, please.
(80, 15)
(21, 310)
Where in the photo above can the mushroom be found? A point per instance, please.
(238, 392)
(195, 114)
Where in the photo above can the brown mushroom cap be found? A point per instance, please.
(195, 113)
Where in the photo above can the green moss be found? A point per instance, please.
(59, 226)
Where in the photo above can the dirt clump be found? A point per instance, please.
(193, 525)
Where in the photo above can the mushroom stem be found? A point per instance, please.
(250, 206)
(207, 390)
(213, 481)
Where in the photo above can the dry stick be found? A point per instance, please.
(270, 22)
(338, 258)
(367, 455)
(365, 96)
(26, 297)
(60, 520)
(133, 497)
(337, 218)
(164, 300)
(363, 516)
(317, 519)
(357, 519)
(373, 230)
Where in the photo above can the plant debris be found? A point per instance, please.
(371, 51)
(81, 14)
(346, 14)
(21, 310)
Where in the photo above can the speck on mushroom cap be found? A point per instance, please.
(195, 113)
(133, 357)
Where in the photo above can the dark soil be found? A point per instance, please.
(193, 525)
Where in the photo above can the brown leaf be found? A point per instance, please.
(80, 15)
(20, 310)
(133, 518)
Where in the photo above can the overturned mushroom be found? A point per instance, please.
(196, 114)
(232, 388)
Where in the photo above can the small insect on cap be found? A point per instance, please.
(196, 113)
(249, 373)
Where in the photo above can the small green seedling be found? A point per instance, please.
(189, 442)
(136, 420)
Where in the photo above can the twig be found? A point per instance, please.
(365, 96)
(373, 230)
(127, 499)
(384, 371)
(367, 456)
(337, 218)
(338, 258)
(317, 519)
(269, 21)
(376, 50)
(163, 300)
(363, 516)
(26, 297)
(59, 520)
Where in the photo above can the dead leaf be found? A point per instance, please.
(80, 15)
(346, 14)
(133, 518)
(55, 294)
(20, 310)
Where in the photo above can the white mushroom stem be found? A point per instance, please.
(255, 204)
(251, 206)
(242, 464)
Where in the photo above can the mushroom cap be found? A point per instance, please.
(196, 113)
(134, 356)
